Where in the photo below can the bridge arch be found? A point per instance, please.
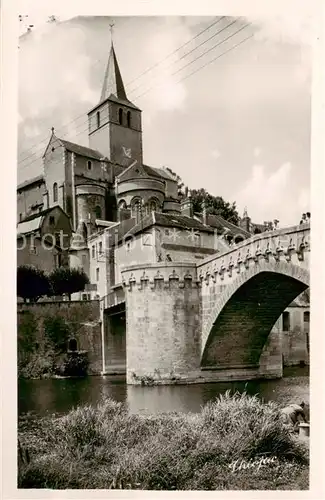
(240, 320)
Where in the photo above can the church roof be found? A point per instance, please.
(163, 173)
(35, 180)
(81, 150)
(136, 170)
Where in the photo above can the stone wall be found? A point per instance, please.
(163, 323)
(82, 318)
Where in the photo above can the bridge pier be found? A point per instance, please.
(271, 365)
(163, 323)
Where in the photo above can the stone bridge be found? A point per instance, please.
(211, 321)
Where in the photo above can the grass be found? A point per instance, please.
(106, 447)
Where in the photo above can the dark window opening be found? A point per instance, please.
(20, 217)
(89, 165)
(306, 317)
(98, 119)
(72, 345)
(98, 212)
(52, 220)
(55, 192)
(128, 118)
(120, 116)
(286, 321)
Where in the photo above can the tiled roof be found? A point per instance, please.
(28, 226)
(153, 172)
(126, 102)
(81, 150)
(165, 220)
(163, 173)
(29, 182)
(219, 222)
(39, 214)
(136, 170)
(182, 221)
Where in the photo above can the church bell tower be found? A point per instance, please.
(114, 125)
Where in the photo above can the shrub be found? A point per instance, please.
(57, 332)
(106, 447)
(74, 364)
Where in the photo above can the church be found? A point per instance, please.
(106, 191)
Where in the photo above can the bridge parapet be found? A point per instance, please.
(114, 298)
(290, 245)
(160, 274)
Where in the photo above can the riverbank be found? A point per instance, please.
(234, 443)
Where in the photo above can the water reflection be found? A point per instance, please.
(61, 395)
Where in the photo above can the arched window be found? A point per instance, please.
(98, 119)
(55, 192)
(136, 208)
(120, 116)
(122, 205)
(98, 212)
(128, 118)
(152, 205)
(72, 345)
(89, 165)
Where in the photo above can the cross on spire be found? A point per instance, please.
(111, 26)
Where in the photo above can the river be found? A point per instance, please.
(47, 396)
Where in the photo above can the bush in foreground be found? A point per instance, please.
(106, 447)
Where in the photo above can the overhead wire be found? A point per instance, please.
(135, 79)
(186, 76)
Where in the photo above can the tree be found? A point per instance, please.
(215, 205)
(64, 280)
(32, 283)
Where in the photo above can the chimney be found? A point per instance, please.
(187, 205)
(204, 212)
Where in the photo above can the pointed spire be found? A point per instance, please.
(113, 83)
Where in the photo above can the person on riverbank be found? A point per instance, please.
(293, 414)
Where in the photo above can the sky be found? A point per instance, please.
(238, 127)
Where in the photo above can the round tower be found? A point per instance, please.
(90, 201)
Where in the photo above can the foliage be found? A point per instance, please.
(32, 283)
(215, 205)
(27, 332)
(67, 281)
(57, 331)
(41, 363)
(106, 447)
(75, 364)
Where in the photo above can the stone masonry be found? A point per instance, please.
(211, 321)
